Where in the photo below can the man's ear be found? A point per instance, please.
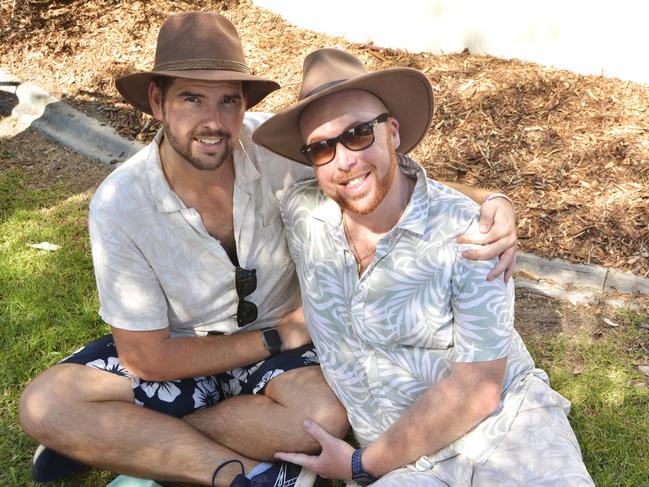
(155, 100)
(394, 132)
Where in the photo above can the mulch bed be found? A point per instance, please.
(572, 150)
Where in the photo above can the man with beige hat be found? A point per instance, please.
(416, 343)
(209, 367)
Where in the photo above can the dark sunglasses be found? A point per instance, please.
(245, 281)
(356, 138)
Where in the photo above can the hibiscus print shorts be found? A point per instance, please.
(181, 397)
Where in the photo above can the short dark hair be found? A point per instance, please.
(162, 83)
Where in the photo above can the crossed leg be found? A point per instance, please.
(89, 415)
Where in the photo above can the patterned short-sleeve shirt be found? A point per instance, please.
(387, 336)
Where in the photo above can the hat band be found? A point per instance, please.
(191, 64)
(322, 87)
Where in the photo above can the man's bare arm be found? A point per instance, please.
(478, 195)
(444, 413)
(156, 356)
(440, 416)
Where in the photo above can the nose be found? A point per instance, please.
(345, 159)
(212, 118)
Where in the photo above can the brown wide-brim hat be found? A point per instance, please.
(406, 92)
(199, 46)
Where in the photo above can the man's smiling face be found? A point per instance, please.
(202, 120)
(357, 180)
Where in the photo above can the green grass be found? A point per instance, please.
(609, 414)
(48, 303)
(48, 307)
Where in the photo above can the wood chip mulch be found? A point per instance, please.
(571, 150)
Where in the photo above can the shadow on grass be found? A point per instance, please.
(48, 308)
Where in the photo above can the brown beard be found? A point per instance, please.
(185, 152)
(384, 185)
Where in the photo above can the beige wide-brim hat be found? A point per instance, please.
(406, 92)
(198, 46)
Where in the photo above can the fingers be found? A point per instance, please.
(334, 461)
(487, 216)
(506, 263)
(317, 431)
(486, 252)
(298, 458)
(491, 236)
(510, 268)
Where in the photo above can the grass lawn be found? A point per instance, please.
(48, 307)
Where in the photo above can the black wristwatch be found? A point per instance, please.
(272, 341)
(359, 475)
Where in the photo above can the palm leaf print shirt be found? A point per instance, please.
(387, 336)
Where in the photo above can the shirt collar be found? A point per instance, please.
(415, 214)
(166, 200)
(244, 169)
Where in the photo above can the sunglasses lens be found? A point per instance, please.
(246, 313)
(245, 281)
(321, 152)
(358, 138)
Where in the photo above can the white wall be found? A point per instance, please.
(589, 37)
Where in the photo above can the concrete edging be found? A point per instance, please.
(66, 125)
(90, 138)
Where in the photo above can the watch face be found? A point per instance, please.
(272, 341)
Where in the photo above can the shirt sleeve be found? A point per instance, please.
(483, 311)
(130, 294)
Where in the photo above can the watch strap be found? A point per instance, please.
(359, 475)
(492, 196)
(272, 341)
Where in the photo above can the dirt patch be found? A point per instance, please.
(540, 319)
(44, 161)
(572, 151)
(541, 315)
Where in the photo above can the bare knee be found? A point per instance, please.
(308, 396)
(37, 403)
(49, 401)
(331, 415)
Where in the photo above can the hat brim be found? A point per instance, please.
(135, 87)
(406, 92)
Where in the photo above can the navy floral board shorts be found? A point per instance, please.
(181, 397)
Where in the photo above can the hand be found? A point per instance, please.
(292, 330)
(335, 459)
(497, 237)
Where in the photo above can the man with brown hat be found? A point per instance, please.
(177, 277)
(418, 346)
(196, 281)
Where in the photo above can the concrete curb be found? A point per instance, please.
(554, 277)
(66, 125)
